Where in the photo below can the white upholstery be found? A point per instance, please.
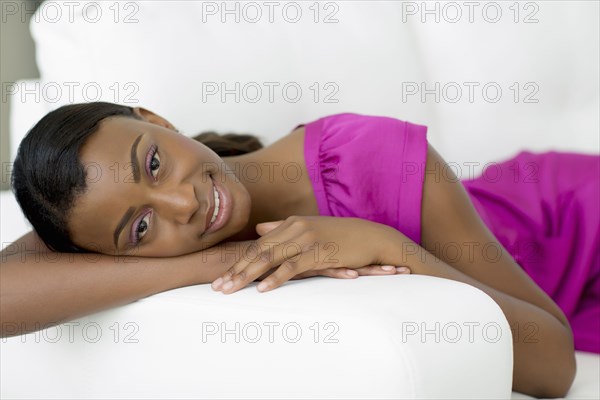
(369, 54)
(375, 346)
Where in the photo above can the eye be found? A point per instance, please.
(153, 162)
(141, 229)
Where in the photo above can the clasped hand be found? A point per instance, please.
(299, 247)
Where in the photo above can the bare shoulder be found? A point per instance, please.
(294, 187)
(289, 147)
(296, 136)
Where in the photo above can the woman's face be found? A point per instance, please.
(150, 191)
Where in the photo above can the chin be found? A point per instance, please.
(241, 213)
(241, 217)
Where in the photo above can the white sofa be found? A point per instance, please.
(373, 337)
(369, 344)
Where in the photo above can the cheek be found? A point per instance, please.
(196, 157)
(169, 242)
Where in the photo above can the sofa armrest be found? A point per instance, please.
(385, 337)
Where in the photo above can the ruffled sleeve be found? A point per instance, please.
(368, 167)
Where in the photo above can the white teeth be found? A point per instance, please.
(217, 202)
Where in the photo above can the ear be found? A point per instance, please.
(149, 116)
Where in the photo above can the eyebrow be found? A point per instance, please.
(122, 224)
(134, 159)
(136, 177)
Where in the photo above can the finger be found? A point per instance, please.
(403, 270)
(264, 227)
(270, 257)
(287, 270)
(259, 258)
(347, 273)
(306, 274)
(376, 270)
(251, 255)
(338, 273)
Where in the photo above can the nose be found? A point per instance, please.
(177, 203)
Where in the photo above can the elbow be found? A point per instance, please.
(548, 371)
(569, 366)
(560, 389)
(560, 383)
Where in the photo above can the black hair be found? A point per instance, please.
(47, 175)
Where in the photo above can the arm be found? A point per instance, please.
(544, 365)
(40, 288)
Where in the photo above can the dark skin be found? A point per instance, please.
(542, 368)
(175, 185)
(180, 211)
(177, 191)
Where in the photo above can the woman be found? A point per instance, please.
(123, 183)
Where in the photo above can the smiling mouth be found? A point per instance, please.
(214, 207)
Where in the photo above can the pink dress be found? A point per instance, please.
(543, 207)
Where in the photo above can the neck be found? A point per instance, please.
(261, 192)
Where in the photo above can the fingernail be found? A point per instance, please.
(217, 284)
(402, 270)
(228, 285)
(351, 272)
(262, 286)
(387, 267)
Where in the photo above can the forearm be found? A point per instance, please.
(544, 363)
(38, 290)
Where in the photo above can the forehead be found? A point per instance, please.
(112, 137)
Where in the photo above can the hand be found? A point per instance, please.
(347, 273)
(301, 244)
